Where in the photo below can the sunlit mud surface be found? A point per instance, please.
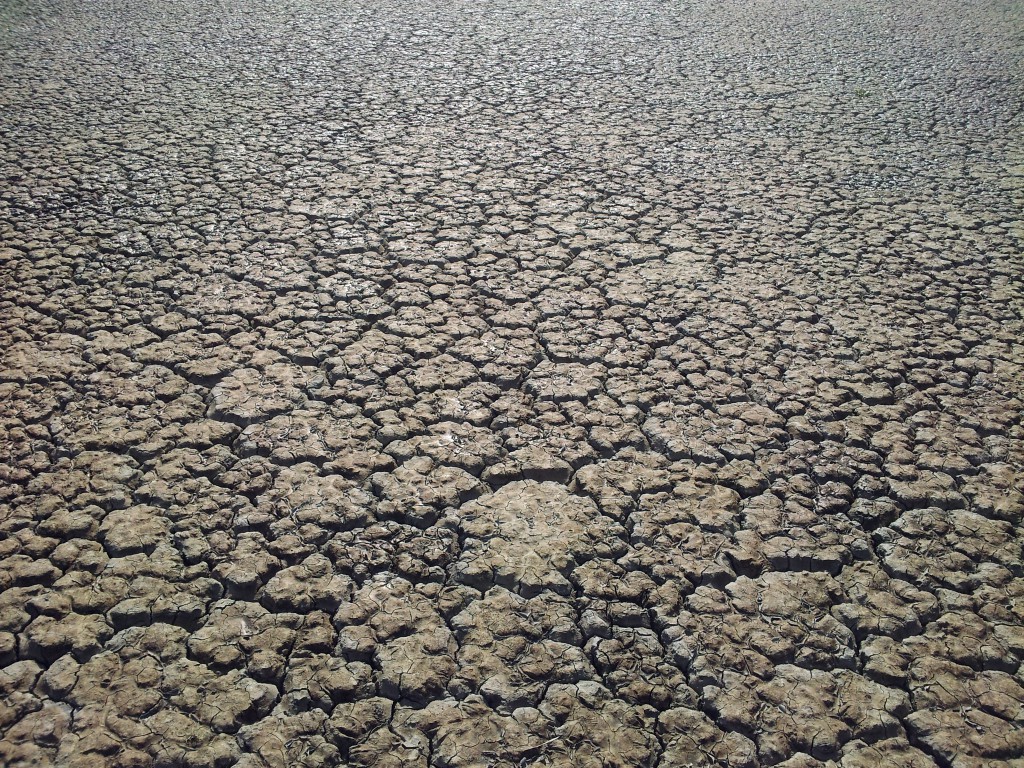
(514, 383)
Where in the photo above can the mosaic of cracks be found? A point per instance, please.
(513, 383)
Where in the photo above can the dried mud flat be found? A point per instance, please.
(511, 384)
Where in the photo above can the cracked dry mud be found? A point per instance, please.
(516, 383)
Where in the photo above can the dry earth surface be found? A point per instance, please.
(511, 383)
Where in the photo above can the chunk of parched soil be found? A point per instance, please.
(528, 536)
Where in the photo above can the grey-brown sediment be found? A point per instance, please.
(511, 384)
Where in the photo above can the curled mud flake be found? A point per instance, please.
(691, 738)
(302, 739)
(880, 605)
(568, 381)
(825, 710)
(312, 584)
(329, 502)
(531, 463)
(897, 750)
(584, 713)
(323, 681)
(528, 536)
(452, 444)
(468, 732)
(251, 395)
(511, 648)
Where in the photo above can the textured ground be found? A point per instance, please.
(513, 383)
